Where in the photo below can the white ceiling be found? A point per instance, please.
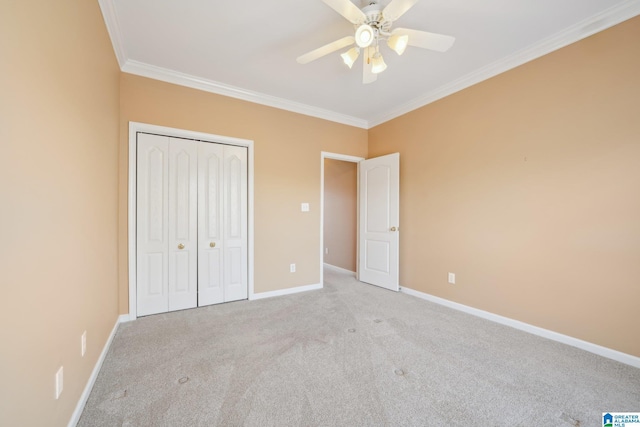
(247, 49)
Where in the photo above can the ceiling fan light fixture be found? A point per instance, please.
(350, 56)
(398, 43)
(377, 64)
(364, 35)
(373, 23)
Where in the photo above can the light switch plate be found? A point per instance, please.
(304, 207)
(59, 382)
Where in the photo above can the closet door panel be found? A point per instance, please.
(183, 224)
(210, 194)
(235, 223)
(152, 224)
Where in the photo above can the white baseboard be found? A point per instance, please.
(339, 269)
(123, 318)
(288, 291)
(618, 356)
(75, 417)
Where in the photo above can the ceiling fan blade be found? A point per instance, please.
(348, 10)
(325, 50)
(426, 40)
(397, 8)
(367, 75)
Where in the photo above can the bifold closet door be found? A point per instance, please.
(192, 246)
(210, 222)
(152, 233)
(166, 224)
(183, 224)
(235, 224)
(222, 223)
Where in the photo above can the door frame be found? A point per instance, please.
(134, 128)
(345, 158)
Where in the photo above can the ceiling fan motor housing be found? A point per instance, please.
(375, 18)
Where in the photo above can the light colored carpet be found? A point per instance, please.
(350, 354)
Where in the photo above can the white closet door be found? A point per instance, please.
(210, 194)
(152, 224)
(191, 224)
(183, 224)
(235, 223)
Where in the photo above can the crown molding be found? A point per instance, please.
(572, 34)
(182, 79)
(130, 66)
(108, 8)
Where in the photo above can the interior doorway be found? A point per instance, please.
(339, 212)
(378, 216)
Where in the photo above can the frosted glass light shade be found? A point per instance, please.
(364, 35)
(377, 64)
(398, 43)
(350, 56)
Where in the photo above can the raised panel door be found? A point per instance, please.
(210, 247)
(152, 224)
(235, 223)
(183, 224)
(379, 221)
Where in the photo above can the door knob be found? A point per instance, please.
(212, 244)
(180, 246)
(393, 229)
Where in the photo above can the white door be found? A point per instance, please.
(183, 224)
(222, 224)
(192, 243)
(210, 193)
(152, 234)
(166, 224)
(379, 221)
(235, 223)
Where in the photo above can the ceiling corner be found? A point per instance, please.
(583, 29)
(108, 9)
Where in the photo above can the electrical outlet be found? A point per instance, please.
(452, 278)
(59, 382)
(292, 268)
(83, 343)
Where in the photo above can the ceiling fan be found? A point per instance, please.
(372, 25)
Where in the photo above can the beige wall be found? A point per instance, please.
(340, 210)
(524, 185)
(58, 217)
(527, 187)
(287, 170)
